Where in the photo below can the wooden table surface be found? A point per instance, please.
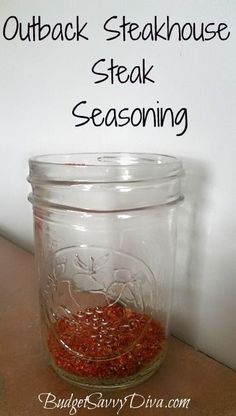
(24, 372)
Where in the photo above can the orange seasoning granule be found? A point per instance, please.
(106, 342)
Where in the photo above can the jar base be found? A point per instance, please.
(111, 384)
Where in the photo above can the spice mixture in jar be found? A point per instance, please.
(86, 342)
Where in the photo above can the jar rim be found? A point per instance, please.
(108, 158)
(103, 167)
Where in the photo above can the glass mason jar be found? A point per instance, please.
(105, 239)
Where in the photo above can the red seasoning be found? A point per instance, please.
(106, 342)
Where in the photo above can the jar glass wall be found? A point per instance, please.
(105, 237)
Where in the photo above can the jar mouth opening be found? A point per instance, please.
(103, 167)
(104, 159)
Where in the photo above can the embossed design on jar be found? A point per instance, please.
(85, 286)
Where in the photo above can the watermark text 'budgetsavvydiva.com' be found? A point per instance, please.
(96, 400)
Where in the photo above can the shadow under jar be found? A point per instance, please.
(105, 237)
